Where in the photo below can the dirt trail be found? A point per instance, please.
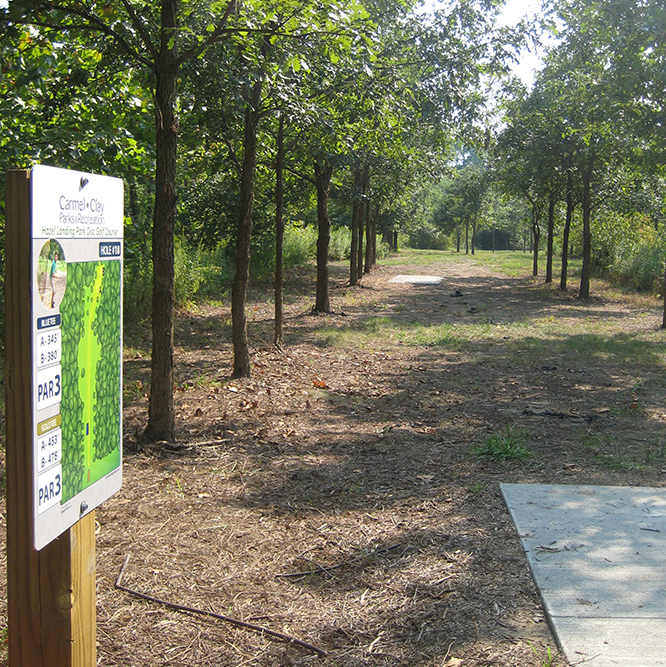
(347, 459)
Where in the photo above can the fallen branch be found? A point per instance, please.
(233, 621)
(560, 415)
(322, 568)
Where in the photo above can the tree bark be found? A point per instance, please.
(323, 174)
(363, 228)
(242, 275)
(565, 234)
(278, 337)
(551, 231)
(584, 291)
(161, 420)
(356, 215)
(359, 243)
(368, 238)
(663, 319)
(375, 220)
(473, 233)
(536, 235)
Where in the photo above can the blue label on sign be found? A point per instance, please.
(48, 322)
(109, 249)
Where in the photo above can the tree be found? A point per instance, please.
(150, 37)
(595, 112)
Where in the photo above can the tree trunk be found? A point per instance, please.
(584, 292)
(359, 244)
(375, 220)
(565, 234)
(395, 241)
(551, 230)
(361, 226)
(278, 338)
(467, 238)
(356, 215)
(536, 236)
(364, 226)
(161, 422)
(458, 239)
(368, 224)
(323, 175)
(242, 275)
(663, 319)
(473, 232)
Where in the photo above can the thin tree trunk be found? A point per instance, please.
(536, 235)
(473, 233)
(565, 234)
(551, 231)
(359, 244)
(161, 420)
(242, 275)
(584, 292)
(368, 239)
(663, 320)
(323, 175)
(467, 238)
(278, 338)
(368, 223)
(375, 219)
(361, 227)
(364, 228)
(356, 215)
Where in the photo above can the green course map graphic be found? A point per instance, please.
(90, 406)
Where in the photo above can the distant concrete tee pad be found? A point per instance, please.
(417, 280)
(598, 557)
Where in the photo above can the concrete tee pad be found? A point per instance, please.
(598, 557)
(417, 280)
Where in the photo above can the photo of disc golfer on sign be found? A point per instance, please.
(51, 274)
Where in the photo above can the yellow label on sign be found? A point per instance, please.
(49, 424)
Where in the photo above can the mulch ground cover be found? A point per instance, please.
(338, 497)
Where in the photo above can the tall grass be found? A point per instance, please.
(202, 273)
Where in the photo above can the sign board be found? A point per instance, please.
(77, 268)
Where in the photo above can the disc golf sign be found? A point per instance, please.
(77, 267)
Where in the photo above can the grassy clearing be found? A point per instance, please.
(516, 264)
(528, 338)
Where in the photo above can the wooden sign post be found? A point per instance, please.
(50, 511)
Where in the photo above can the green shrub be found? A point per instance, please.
(628, 250)
(639, 265)
(189, 270)
(299, 246)
(218, 271)
(426, 238)
(383, 249)
(339, 247)
(137, 287)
